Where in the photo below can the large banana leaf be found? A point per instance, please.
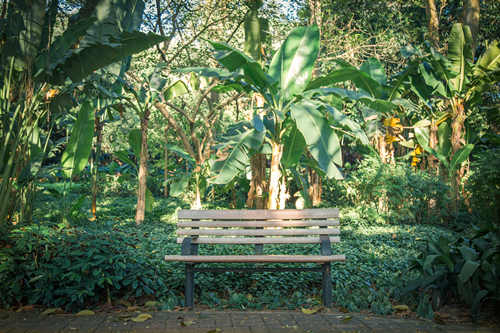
(292, 65)
(83, 61)
(490, 60)
(360, 79)
(293, 147)
(375, 70)
(345, 121)
(459, 53)
(59, 50)
(321, 140)
(239, 156)
(76, 154)
(135, 141)
(233, 60)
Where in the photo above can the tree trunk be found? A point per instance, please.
(95, 166)
(432, 22)
(457, 142)
(315, 189)
(165, 172)
(275, 176)
(143, 169)
(258, 182)
(471, 18)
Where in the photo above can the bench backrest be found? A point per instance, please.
(259, 226)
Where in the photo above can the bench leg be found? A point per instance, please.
(189, 286)
(327, 285)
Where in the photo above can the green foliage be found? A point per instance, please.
(484, 185)
(406, 193)
(76, 154)
(466, 268)
(78, 266)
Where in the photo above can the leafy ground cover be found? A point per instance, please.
(86, 263)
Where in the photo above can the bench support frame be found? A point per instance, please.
(188, 248)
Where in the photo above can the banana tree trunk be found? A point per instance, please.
(275, 176)
(315, 189)
(143, 169)
(197, 199)
(256, 199)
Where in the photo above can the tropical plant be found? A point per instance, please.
(466, 268)
(100, 34)
(292, 118)
(456, 85)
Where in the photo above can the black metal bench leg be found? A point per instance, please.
(327, 285)
(189, 286)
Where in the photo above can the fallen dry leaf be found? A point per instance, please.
(132, 308)
(311, 310)
(401, 307)
(344, 310)
(51, 311)
(186, 323)
(346, 319)
(25, 308)
(85, 313)
(142, 317)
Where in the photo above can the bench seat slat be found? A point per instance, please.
(259, 232)
(257, 258)
(250, 224)
(254, 240)
(264, 214)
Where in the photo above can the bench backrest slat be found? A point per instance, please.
(259, 226)
(262, 240)
(249, 224)
(259, 214)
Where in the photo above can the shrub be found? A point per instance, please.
(484, 185)
(75, 267)
(398, 191)
(467, 269)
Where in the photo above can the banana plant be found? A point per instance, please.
(287, 109)
(455, 80)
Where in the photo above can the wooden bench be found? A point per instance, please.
(257, 227)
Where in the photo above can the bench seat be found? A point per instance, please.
(257, 258)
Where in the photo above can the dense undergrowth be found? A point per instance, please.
(78, 263)
(88, 263)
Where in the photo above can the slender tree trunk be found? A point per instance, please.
(432, 22)
(275, 176)
(165, 173)
(143, 169)
(457, 142)
(95, 166)
(471, 18)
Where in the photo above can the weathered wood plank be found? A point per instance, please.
(263, 214)
(257, 258)
(259, 232)
(251, 224)
(253, 240)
